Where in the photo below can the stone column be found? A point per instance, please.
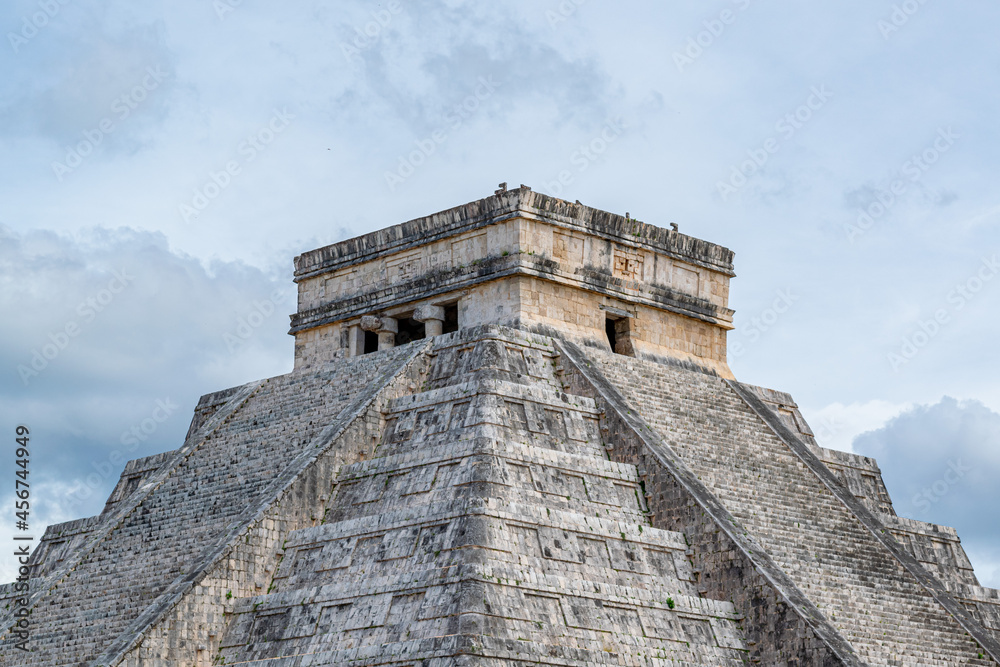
(432, 317)
(355, 340)
(385, 327)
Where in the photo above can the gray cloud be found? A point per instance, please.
(940, 463)
(106, 325)
(432, 55)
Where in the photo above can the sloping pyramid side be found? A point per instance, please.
(490, 529)
(122, 582)
(858, 585)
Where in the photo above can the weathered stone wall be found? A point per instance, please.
(320, 346)
(475, 217)
(411, 262)
(59, 541)
(982, 603)
(936, 547)
(552, 308)
(861, 475)
(136, 471)
(567, 311)
(207, 406)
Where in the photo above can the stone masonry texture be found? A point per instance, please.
(537, 457)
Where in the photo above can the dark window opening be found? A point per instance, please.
(450, 318)
(371, 342)
(609, 328)
(409, 331)
(619, 332)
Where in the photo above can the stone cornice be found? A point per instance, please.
(519, 203)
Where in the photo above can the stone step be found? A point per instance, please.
(449, 649)
(481, 468)
(489, 601)
(527, 534)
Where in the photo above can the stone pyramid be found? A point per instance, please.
(511, 438)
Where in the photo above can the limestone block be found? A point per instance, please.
(379, 324)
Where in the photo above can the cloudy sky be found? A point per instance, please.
(162, 163)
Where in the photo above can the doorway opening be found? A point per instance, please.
(450, 318)
(371, 342)
(619, 332)
(409, 331)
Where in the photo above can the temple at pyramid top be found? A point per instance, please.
(524, 259)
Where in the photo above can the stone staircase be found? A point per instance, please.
(861, 588)
(489, 529)
(161, 535)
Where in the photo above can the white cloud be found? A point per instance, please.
(986, 560)
(837, 425)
